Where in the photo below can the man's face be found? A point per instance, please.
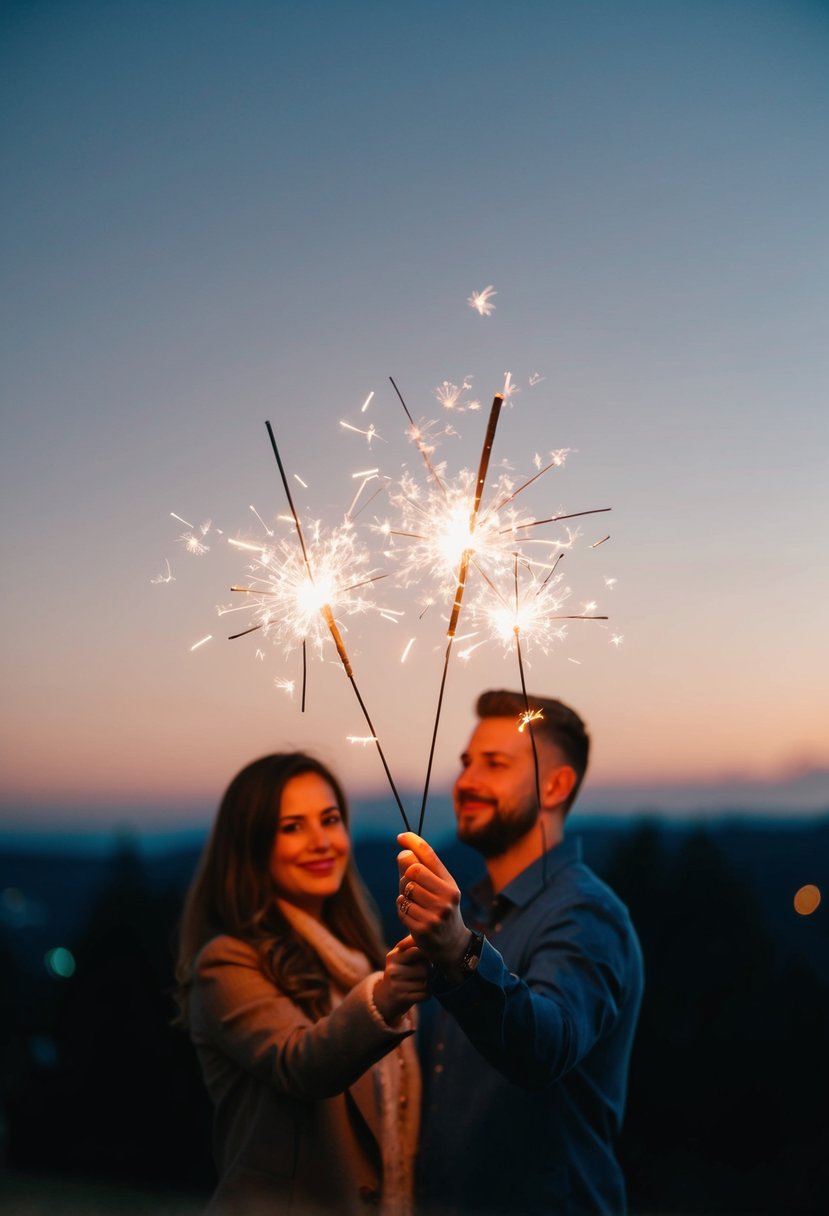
(495, 795)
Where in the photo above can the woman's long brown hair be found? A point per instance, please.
(233, 892)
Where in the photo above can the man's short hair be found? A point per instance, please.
(558, 724)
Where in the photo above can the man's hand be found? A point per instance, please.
(429, 905)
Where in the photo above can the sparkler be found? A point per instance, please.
(463, 569)
(447, 529)
(324, 608)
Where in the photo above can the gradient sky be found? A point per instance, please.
(220, 212)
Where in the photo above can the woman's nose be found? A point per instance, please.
(316, 836)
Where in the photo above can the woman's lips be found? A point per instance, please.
(320, 867)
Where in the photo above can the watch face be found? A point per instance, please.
(472, 956)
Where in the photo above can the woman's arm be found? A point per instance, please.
(237, 1010)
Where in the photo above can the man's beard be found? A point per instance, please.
(500, 832)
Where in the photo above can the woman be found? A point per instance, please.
(300, 1019)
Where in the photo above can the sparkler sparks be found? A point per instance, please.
(288, 590)
(169, 577)
(528, 716)
(449, 395)
(196, 645)
(481, 301)
(370, 433)
(445, 529)
(193, 541)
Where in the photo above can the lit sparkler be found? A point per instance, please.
(321, 594)
(445, 529)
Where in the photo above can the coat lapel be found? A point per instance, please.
(364, 1095)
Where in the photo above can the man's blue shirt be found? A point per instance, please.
(525, 1062)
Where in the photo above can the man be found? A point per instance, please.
(538, 984)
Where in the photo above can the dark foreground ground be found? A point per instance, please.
(101, 1105)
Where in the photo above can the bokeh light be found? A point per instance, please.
(807, 899)
(60, 963)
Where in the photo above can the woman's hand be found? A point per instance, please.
(404, 982)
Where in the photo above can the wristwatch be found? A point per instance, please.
(472, 953)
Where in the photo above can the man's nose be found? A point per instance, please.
(465, 779)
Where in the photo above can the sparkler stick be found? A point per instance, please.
(534, 523)
(336, 636)
(416, 436)
(483, 466)
(528, 722)
(529, 715)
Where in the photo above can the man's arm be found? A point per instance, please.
(535, 1029)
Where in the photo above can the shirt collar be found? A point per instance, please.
(537, 876)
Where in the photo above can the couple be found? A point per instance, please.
(303, 1023)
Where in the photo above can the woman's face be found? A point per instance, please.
(311, 846)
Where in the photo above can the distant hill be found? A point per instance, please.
(47, 889)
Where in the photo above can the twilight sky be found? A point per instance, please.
(220, 212)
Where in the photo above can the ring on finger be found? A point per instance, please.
(407, 894)
(404, 906)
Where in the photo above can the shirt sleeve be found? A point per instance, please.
(535, 1029)
(237, 1010)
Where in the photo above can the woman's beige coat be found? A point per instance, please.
(295, 1123)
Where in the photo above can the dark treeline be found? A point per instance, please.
(729, 1092)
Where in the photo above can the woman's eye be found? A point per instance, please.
(333, 818)
(287, 828)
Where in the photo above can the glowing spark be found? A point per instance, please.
(369, 473)
(261, 520)
(509, 388)
(186, 522)
(364, 740)
(164, 578)
(590, 607)
(304, 485)
(576, 661)
(449, 395)
(284, 685)
(367, 402)
(528, 716)
(405, 653)
(194, 543)
(370, 434)
(535, 379)
(260, 655)
(610, 583)
(202, 642)
(617, 640)
(596, 544)
(482, 301)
